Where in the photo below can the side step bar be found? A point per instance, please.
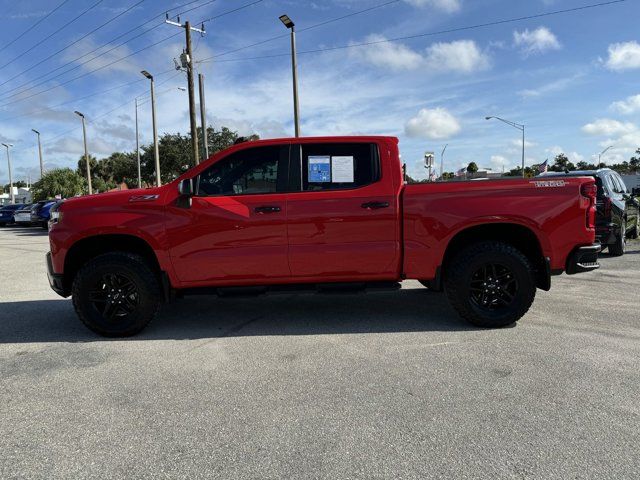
(326, 288)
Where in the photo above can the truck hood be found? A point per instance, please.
(117, 198)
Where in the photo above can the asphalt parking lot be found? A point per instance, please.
(388, 385)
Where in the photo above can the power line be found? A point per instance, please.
(277, 37)
(73, 43)
(90, 72)
(34, 25)
(46, 80)
(104, 114)
(121, 58)
(410, 37)
(52, 34)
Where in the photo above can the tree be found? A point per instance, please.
(562, 164)
(472, 167)
(120, 168)
(18, 184)
(61, 181)
(634, 162)
(82, 166)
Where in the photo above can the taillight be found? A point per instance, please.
(590, 190)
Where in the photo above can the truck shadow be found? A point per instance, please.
(26, 231)
(409, 310)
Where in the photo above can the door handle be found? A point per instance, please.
(375, 205)
(267, 209)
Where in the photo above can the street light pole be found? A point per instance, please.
(86, 151)
(294, 67)
(138, 147)
(39, 152)
(183, 89)
(518, 126)
(442, 162)
(602, 153)
(12, 196)
(156, 151)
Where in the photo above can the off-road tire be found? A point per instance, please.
(123, 265)
(617, 249)
(462, 271)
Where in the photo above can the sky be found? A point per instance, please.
(408, 68)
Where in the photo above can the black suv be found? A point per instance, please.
(617, 211)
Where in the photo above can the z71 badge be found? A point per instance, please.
(549, 183)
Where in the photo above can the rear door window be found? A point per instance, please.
(334, 166)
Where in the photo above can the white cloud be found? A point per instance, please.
(623, 56)
(449, 6)
(462, 56)
(607, 126)
(551, 87)
(628, 106)
(434, 124)
(537, 41)
(390, 55)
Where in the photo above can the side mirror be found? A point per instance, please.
(185, 188)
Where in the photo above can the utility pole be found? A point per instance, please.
(187, 62)
(138, 147)
(39, 152)
(156, 150)
(86, 152)
(13, 198)
(203, 118)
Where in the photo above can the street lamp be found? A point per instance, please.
(517, 126)
(602, 153)
(287, 22)
(39, 151)
(156, 152)
(442, 162)
(86, 152)
(12, 196)
(182, 89)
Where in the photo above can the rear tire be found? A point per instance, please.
(116, 294)
(618, 248)
(490, 284)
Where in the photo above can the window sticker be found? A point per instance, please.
(320, 169)
(342, 169)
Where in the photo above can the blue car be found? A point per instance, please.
(40, 212)
(6, 213)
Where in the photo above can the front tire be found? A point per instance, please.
(490, 284)
(116, 294)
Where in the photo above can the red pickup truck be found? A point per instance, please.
(321, 214)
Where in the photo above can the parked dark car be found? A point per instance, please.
(617, 211)
(7, 212)
(40, 212)
(22, 216)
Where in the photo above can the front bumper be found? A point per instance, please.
(56, 281)
(583, 259)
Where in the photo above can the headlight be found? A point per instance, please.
(55, 215)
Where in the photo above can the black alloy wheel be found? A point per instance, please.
(493, 287)
(115, 295)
